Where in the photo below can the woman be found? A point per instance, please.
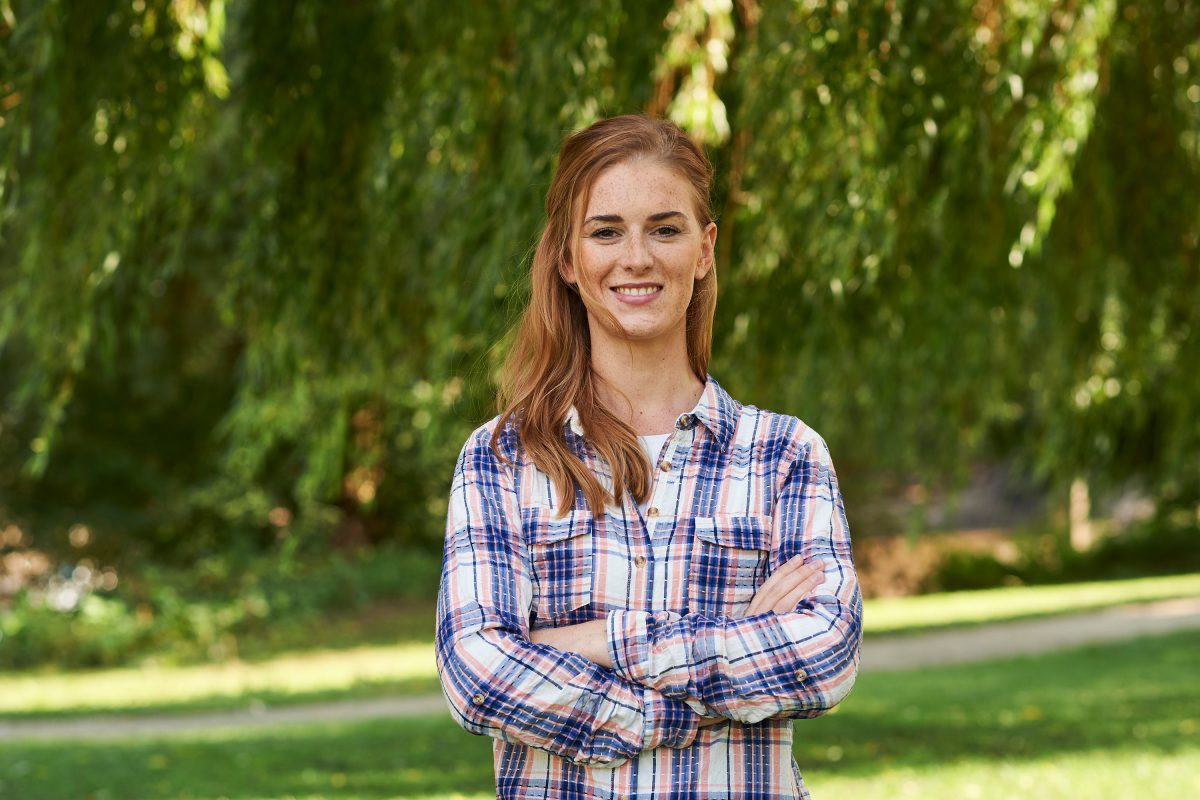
(644, 581)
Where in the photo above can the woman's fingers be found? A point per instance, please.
(794, 597)
(793, 576)
(772, 589)
(777, 585)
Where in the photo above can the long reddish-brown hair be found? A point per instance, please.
(549, 367)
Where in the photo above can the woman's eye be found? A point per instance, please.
(604, 233)
(667, 230)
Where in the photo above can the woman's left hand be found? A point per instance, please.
(787, 586)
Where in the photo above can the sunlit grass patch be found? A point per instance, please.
(921, 612)
(311, 675)
(1109, 774)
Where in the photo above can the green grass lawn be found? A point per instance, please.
(327, 672)
(1111, 722)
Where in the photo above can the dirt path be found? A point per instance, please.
(1023, 637)
(116, 726)
(958, 646)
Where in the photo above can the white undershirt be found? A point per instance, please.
(652, 445)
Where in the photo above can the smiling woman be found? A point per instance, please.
(644, 581)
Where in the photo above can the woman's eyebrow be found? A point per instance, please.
(659, 217)
(604, 218)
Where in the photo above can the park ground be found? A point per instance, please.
(1112, 719)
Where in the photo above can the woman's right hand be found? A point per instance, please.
(790, 584)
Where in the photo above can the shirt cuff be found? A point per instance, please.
(669, 723)
(629, 644)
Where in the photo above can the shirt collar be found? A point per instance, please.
(573, 420)
(715, 410)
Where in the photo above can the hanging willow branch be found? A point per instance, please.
(255, 257)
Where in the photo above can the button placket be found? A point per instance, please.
(659, 574)
(651, 515)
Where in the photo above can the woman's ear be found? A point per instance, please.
(567, 271)
(708, 248)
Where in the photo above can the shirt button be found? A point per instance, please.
(684, 421)
(665, 466)
(651, 512)
(801, 675)
(640, 561)
(478, 699)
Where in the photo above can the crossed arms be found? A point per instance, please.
(606, 690)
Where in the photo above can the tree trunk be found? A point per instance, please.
(1079, 513)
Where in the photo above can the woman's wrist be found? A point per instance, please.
(588, 639)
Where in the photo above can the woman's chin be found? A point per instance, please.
(642, 331)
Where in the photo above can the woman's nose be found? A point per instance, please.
(637, 254)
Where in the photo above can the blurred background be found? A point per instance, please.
(258, 262)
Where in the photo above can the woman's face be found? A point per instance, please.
(640, 251)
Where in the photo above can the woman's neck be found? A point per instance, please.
(647, 384)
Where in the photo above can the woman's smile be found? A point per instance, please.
(638, 294)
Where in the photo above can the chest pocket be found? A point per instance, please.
(728, 563)
(562, 555)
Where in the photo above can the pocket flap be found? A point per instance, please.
(544, 526)
(741, 531)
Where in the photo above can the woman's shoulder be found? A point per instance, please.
(493, 438)
(771, 434)
(788, 435)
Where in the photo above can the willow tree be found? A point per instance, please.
(979, 222)
(255, 257)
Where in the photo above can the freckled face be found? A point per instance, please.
(640, 251)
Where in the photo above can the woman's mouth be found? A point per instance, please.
(638, 294)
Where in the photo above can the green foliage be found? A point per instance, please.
(1156, 549)
(213, 610)
(255, 257)
(953, 200)
(101, 632)
(961, 570)
(1048, 558)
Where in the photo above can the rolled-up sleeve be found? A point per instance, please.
(798, 663)
(496, 681)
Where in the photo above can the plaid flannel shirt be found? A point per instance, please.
(737, 492)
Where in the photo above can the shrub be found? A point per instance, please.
(200, 614)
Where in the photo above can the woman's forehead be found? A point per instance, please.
(639, 186)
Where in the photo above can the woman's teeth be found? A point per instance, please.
(635, 291)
